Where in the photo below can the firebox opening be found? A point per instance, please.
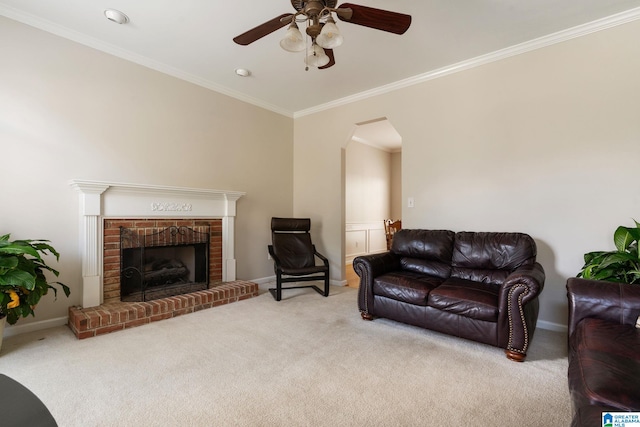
(164, 263)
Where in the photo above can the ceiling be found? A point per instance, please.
(192, 40)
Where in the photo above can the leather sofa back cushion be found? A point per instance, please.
(490, 257)
(424, 251)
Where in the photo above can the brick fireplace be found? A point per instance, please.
(149, 209)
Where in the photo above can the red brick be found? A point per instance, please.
(109, 329)
(86, 334)
(202, 307)
(220, 302)
(162, 316)
(93, 320)
(137, 322)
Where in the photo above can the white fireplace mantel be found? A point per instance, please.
(99, 200)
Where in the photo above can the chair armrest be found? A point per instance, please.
(276, 261)
(615, 302)
(324, 259)
(518, 305)
(368, 267)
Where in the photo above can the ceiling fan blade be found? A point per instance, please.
(263, 30)
(384, 20)
(332, 59)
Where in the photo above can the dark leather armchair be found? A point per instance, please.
(604, 349)
(294, 256)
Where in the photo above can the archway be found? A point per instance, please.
(372, 188)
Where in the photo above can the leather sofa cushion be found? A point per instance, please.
(422, 266)
(405, 286)
(427, 251)
(606, 364)
(490, 257)
(467, 298)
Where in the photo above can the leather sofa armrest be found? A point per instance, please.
(519, 308)
(368, 267)
(615, 302)
(531, 276)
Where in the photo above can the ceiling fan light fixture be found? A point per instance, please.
(293, 40)
(330, 36)
(317, 57)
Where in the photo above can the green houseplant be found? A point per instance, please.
(621, 265)
(22, 278)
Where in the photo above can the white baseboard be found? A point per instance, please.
(551, 326)
(11, 330)
(264, 280)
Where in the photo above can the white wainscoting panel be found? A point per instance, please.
(362, 238)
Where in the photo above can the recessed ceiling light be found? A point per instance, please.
(116, 16)
(243, 72)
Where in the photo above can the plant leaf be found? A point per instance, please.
(623, 237)
(19, 248)
(18, 278)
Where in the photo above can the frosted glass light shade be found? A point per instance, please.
(330, 36)
(293, 40)
(317, 57)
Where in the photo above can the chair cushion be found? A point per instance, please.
(467, 298)
(294, 250)
(405, 286)
(605, 366)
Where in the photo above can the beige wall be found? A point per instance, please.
(544, 143)
(70, 112)
(396, 185)
(367, 183)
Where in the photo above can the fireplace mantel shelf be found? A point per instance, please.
(102, 186)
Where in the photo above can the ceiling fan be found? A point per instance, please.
(321, 27)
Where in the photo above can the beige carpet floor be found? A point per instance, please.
(304, 361)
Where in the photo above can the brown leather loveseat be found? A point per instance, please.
(479, 286)
(604, 349)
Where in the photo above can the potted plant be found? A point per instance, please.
(22, 278)
(621, 265)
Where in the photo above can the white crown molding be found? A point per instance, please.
(548, 40)
(83, 39)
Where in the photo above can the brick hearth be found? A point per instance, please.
(117, 316)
